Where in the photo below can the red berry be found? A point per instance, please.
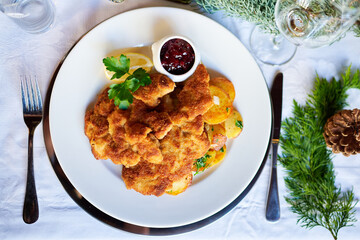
(177, 56)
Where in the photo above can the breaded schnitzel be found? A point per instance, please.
(158, 138)
(179, 150)
(194, 99)
(151, 94)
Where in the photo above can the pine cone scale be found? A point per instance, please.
(342, 132)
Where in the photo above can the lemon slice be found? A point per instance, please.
(137, 60)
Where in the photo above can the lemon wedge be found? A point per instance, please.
(137, 60)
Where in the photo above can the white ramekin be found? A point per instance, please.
(156, 49)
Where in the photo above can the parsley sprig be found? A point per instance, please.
(201, 163)
(239, 124)
(310, 178)
(122, 92)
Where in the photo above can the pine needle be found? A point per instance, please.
(260, 12)
(308, 162)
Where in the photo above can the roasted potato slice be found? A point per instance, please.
(225, 84)
(220, 155)
(180, 185)
(217, 135)
(234, 124)
(222, 107)
(210, 159)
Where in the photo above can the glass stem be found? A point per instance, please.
(276, 40)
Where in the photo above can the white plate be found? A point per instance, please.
(80, 79)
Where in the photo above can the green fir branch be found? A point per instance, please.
(330, 97)
(308, 162)
(260, 12)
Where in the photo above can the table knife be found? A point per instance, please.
(272, 204)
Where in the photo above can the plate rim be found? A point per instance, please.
(98, 213)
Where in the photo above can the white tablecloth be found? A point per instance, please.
(60, 216)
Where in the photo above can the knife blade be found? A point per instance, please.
(276, 98)
(272, 204)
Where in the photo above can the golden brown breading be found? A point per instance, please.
(95, 125)
(122, 154)
(159, 122)
(118, 117)
(137, 110)
(99, 146)
(195, 126)
(149, 149)
(96, 129)
(157, 156)
(195, 98)
(117, 120)
(136, 132)
(151, 94)
(103, 105)
(146, 178)
(178, 157)
(105, 128)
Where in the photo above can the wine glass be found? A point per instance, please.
(315, 23)
(273, 49)
(310, 23)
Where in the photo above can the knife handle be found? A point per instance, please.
(272, 204)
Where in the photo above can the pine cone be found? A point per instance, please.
(342, 132)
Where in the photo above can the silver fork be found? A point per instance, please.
(32, 111)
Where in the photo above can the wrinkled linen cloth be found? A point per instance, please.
(60, 217)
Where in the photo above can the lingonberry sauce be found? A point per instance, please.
(177, 56)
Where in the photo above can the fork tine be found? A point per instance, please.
(24, 93)
(38, 94)
(31, 95)
(22, 90)
(28, 94)
(33, 99)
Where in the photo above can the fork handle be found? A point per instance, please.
(272, 204)
(31, 208)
